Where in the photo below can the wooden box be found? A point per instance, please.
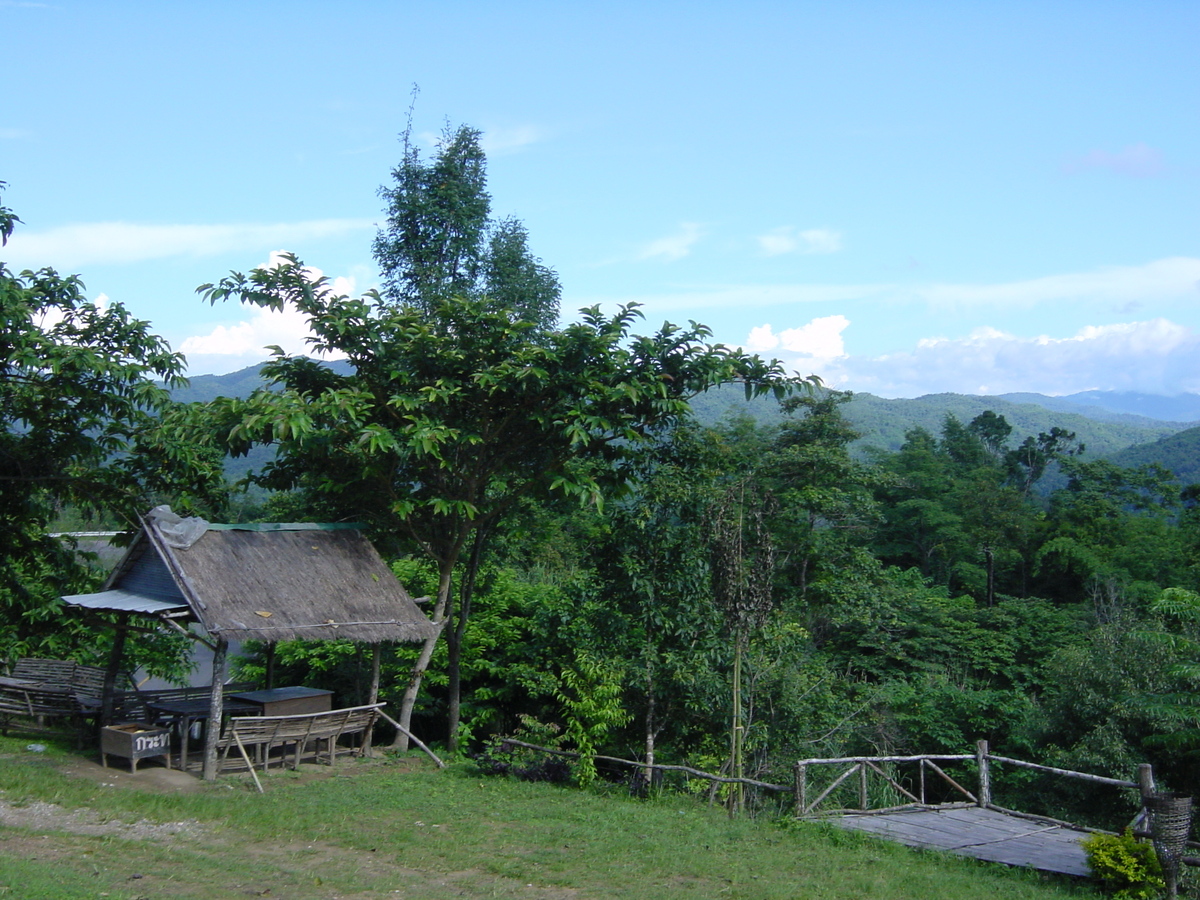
(288, 701)
(134, 741)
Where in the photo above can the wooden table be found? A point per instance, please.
(187, 712)
(287, 701)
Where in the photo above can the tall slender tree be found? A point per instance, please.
(440, 242)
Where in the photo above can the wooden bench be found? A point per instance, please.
(53, 689)
(86, 682)
(45, 671)
(265, 732)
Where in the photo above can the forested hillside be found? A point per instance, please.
(882, 423)
(1178, 452)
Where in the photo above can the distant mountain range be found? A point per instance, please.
(1116, 404)
(1131, 429)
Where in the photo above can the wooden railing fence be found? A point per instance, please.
(930, 770)
(865, 766)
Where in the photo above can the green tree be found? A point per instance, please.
(825, 503)
(655, 608)
(1112, 524)
(1027, 463)
(79, 405)
(454, 412)
(743, 569)
(440, 242)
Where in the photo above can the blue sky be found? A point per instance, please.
(903, 198)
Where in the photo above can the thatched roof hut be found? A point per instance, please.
(271, 582)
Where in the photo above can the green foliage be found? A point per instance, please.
(590, 693)
(1112, 523)
(823, 507)
(1125, 866)
(79, 408)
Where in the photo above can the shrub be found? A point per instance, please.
(1127, 867)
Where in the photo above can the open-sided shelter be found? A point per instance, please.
(264, 582)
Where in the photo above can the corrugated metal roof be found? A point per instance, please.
(118, 600)
(288, 526)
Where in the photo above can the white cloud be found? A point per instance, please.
(788, 239)
(820, 339)
(498, 141)
(1117, 289)
(1154, 356)
(121, 242)
(691, 303)
(675, 246)
(1169, 278)
(228, 348)
(1136, 161)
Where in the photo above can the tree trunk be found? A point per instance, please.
(114, 669)
(373, 694)
(409, 700)
(990, 555)
(456, 636)
(737, 795)
(216, 707)
(651, 725)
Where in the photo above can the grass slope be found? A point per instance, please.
(402, 829)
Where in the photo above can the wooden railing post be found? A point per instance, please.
(985, 776)
(862, 785)
(1146, 780)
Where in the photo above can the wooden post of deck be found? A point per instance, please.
(985, 775)
(862, 785)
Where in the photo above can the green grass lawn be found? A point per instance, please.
(400, 828)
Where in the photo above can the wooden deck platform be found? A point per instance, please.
(981, 833)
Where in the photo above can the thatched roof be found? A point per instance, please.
(281, 583)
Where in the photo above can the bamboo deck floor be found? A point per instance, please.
(980, 833)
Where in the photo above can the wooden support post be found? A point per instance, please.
(801, 788)
(110, 674)
(921, 768)
(985, 776)
(216, 709)
(862, 785)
